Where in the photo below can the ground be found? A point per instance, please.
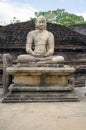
(45, 116)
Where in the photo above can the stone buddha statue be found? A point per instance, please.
(43, 41)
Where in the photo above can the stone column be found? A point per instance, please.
(7, 79)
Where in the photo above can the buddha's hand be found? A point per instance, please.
(37, 54)
(31, 52)
(47, 54)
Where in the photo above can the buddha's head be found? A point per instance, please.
(40, 23)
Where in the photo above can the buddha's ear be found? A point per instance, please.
(35, 21)
(35, 24)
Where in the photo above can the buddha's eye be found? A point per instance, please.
(41, 21)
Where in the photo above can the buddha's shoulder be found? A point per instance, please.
(48, 32)
(32, 32)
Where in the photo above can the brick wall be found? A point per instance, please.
(81, 28)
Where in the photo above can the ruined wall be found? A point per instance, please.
(81, 28)
(70, 44)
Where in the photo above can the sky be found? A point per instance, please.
(25, 9)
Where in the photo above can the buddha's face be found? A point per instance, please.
(41, 23)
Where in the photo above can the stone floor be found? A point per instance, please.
(44, 116)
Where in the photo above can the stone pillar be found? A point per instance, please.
(7, 62)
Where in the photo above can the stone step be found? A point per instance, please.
(40, 96)
(24, 88)
(38, 93)
(40, 100)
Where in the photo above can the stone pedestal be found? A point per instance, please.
(41, 84)
(40, 76)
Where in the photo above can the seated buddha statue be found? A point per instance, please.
(43, 42)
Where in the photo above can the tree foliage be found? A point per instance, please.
(59, 16)
(14, 20)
